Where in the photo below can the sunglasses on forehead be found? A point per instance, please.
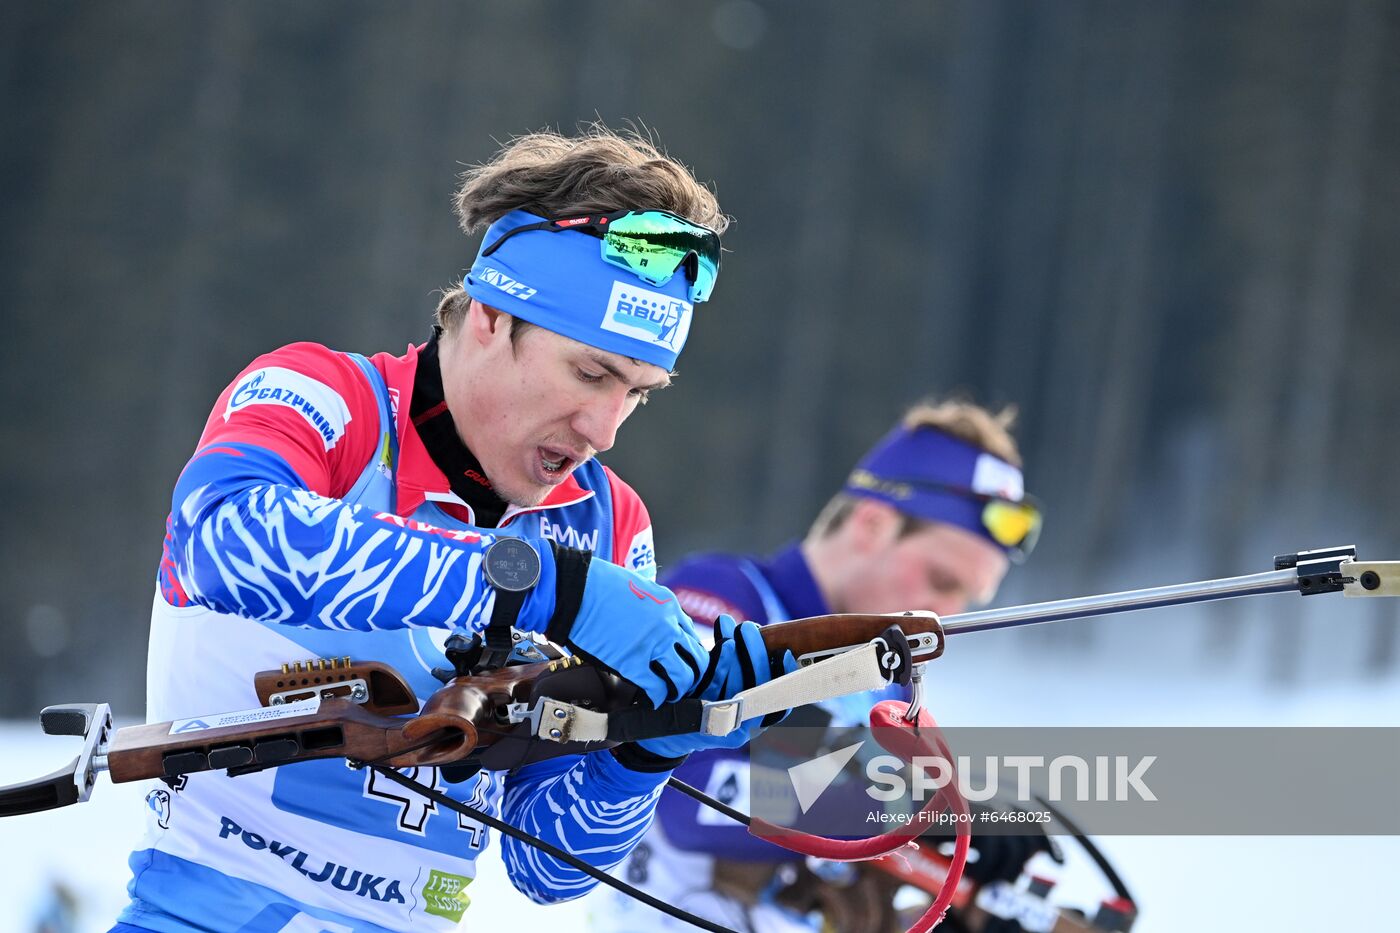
(1013, 523)
(652, 245)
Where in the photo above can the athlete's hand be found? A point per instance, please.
(738, 661)
(626, 624)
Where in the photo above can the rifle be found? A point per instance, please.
(500, 719)
(527, 712)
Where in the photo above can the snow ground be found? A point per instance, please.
(1197, 883)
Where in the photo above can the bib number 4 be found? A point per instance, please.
(414, 809)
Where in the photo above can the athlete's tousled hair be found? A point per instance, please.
(958, 417)
(556, 176)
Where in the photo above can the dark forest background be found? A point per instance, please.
(1169, 232)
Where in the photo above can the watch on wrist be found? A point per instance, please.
(511, 565)
(512, 568)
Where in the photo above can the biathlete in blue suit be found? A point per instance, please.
(930, 519)
(342, 505)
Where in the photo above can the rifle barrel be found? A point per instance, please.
(1274, 581)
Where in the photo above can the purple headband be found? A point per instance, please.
(910, 469)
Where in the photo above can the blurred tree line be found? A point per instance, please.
(1166, 231)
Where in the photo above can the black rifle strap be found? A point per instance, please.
(505, 828)
(498, 640)
(706, 800)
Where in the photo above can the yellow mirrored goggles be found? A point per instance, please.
(1012, 523)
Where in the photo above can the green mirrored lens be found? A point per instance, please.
(653, 246)
(705, 274)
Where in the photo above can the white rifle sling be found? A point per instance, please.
(558, 721)
(853, 671)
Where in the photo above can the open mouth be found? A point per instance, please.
(554, 462)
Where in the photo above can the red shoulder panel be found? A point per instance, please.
(308, 404)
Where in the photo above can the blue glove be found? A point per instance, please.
(627, 624)
(738, 661)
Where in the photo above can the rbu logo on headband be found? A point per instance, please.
(649, 316)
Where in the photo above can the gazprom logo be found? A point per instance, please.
(643, 314)
(315, 401)
(245, 392)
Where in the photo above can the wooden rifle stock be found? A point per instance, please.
(469, 716)
(338, 729)
(819, 635)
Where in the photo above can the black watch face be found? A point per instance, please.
(512, 565)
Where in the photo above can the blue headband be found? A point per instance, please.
(905, 457)
(560, 282)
